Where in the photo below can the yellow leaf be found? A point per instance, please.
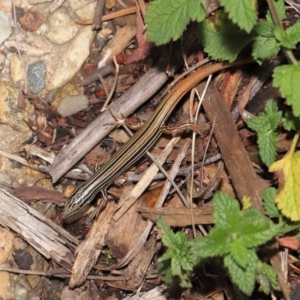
(246, 202)
(288, 172)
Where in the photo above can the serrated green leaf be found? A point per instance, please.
(272, 276)
(265, 124)
(264, 48)
(290, 122)
(239, 252)
(269, 202)
(293, 33)
(242, 12)
(216, 243)
(274, 120)
(267, 146)
(266, 277)
(265, 29)
(226, 210)
(244, 278)
(167, 19)
(176, 267)
(287, 78)
(261, 236)
(168, 236)
(284, 39)
(253, 216)
(221, 39)
(272, 108)
(259, 123)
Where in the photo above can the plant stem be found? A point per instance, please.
(276, 19)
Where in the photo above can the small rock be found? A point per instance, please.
(16, 70)
(109, 4)
(5, 26)
(70, 89)
(61, 27)
(5, 5)
(31, 20)
(23, 259)
(72, 104)
(83, 10)
(20, 292)
(36, 75)
(72, 60)
(10, 113)
(6, 246)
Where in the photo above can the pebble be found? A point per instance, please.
(6, 246)
(5, 26)
(5, 5)
(83, 10)
(72, 104)
(10, 113)
(31, 20)
(16, 70)
(61, 27)
(72, 59)
(21, 292)
(36, 75)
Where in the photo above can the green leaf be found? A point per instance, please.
(216, 243)
(265, 29)
(287, 78)
(265, 124)
(266, 277)
(258, 234)
(264, 48)
(242, 12)
(293, 33)
(168, 237)
(267, 146)
(222, 39)
(272, 276)
(271, 109)
(239, 252)
(177, 261)
(269, 202)
(244, 278)
(226, 210)
(284, 39)
(259, 123)
(167, 19)
(290, 122)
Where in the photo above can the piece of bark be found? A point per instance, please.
(137, 269)
(140, 241)
(89, 250)
(124, 232)
(44, 235)
(32, 193)
(180, 217)
(124, 106)
(116, 45)
(235, 156)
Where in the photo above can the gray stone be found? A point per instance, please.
(5, 26)
(36, 75)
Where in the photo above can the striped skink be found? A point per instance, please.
(137, 145)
